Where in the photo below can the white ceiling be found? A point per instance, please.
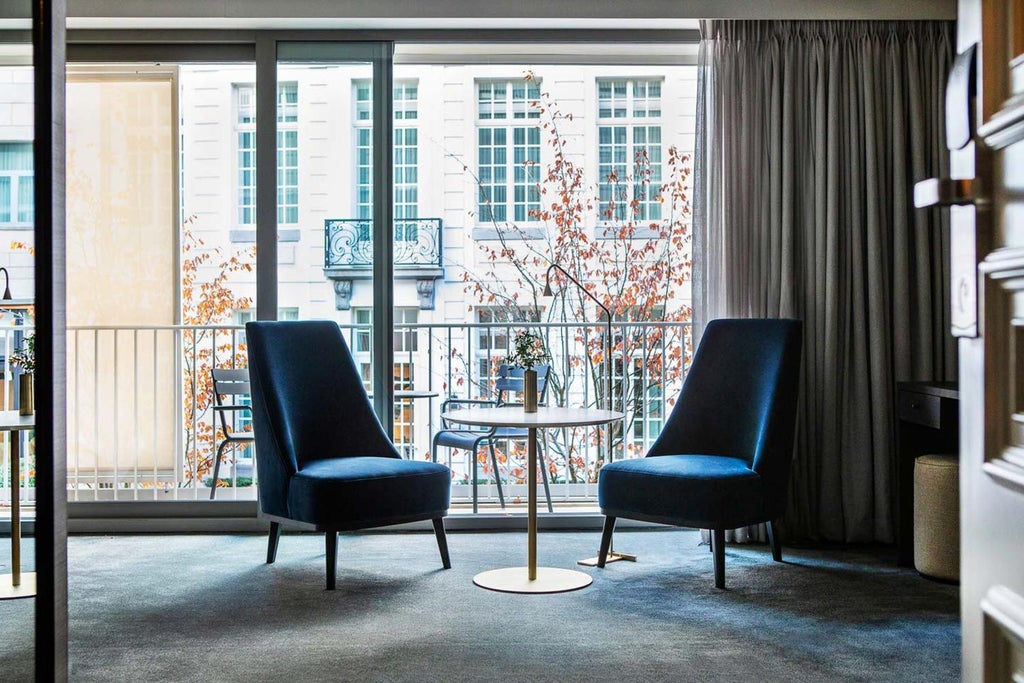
(463, 14)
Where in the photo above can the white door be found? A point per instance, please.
(992, 363)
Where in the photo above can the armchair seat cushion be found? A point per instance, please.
(705, 491)
(364, 491)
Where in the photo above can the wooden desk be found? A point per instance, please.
(928, 422)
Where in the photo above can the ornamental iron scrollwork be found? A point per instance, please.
(348, 242)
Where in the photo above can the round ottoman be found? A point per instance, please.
(937, 516)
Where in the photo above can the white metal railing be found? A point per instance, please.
(140, 426)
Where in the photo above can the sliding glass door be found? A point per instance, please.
(333, 146)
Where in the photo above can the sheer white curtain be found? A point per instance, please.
(810, 138)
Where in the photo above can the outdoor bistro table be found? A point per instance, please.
(16, 584)
(532, 579)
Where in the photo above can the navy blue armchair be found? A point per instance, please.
(722, 460)
(322, 456)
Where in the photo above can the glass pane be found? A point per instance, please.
(6, 199)
(26, 200)
(503, 179)
(217, 105)
(326, 187)
(17, 105)
(184, 263)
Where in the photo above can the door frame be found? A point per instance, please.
(275, 48)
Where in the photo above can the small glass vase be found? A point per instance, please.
(530, 391)
(26, 394)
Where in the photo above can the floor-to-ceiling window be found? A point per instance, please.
(17, 231)
(498, 170)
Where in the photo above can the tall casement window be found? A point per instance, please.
(17, 208)
(406, 142)
(629, 147)
(287, 153)
(508, 150)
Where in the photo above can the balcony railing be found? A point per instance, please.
(12, 338)
(140, 427)
(348, 243)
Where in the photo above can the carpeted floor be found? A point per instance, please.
(205, 608)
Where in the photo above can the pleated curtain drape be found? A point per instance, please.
(810, 136)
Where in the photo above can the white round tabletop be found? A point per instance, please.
(515, 416)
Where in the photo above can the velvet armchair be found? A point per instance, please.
(722, 460)
(322, 456)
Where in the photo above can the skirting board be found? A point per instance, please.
(241, 517)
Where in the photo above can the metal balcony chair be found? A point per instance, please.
(508, 383)
(230, 401)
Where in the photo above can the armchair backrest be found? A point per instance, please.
(308, 403)
(509, 382)
(739, 398)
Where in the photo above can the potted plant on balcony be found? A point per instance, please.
(25, 358)
(528, 351)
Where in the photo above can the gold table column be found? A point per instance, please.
(531, 578)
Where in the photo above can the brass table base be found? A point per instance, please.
(516, 580)
(612, 557)
(26, 589)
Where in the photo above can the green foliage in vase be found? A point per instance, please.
(25, 357)
(527, 350)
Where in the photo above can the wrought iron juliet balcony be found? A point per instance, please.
(348, 243)
(348, 255)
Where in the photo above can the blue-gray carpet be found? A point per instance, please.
(205, 608)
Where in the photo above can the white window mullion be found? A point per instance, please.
(406, 155)
(629, 128)
(508, 151)
(17, 204)
(287, 153)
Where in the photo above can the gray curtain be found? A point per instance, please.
(810, 138)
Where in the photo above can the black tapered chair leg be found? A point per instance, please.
(711, 541)
(719, 548)
(275, 536)
(774, 541)
(442, 542)
(497, 474)
(544, 475)
(332, 557)
(216, 469)
(606, 541)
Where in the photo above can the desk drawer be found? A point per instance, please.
(922, 409)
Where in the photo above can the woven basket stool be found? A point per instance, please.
(937, 516)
